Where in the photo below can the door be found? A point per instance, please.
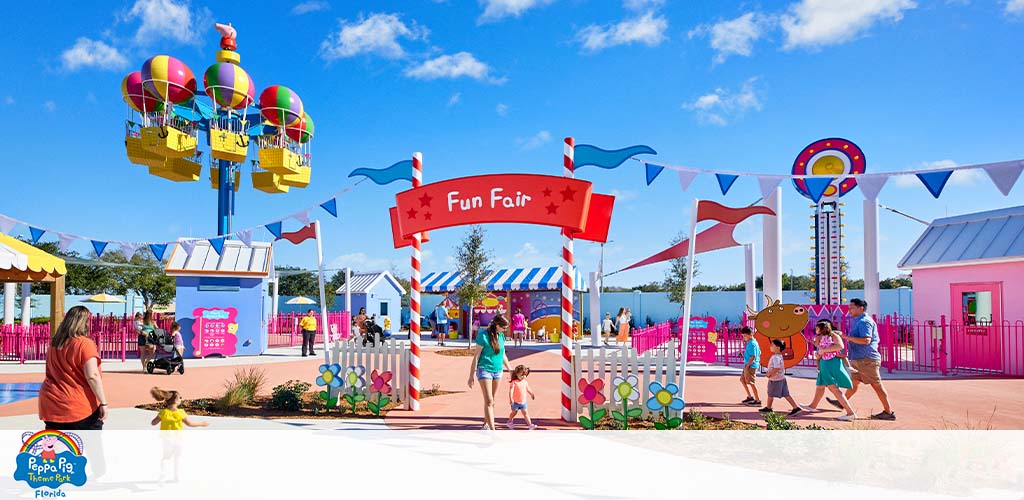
(975, 331)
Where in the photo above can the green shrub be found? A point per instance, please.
(250, 381)
(777, 422)
(288, 396)
(698, 421)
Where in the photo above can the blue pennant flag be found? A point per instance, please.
(399, 171)
(652, 172)
(725, 181)
(275, 229)
(331, 206)
(217, 244)
(935, 181)
(99, 246)
(816, 187)
(586, 155)
(158, 249)
(36, 234)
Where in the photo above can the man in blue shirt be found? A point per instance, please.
(864, 358)
(442, 323)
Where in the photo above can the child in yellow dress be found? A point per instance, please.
(171, 417)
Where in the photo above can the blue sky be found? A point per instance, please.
(493, 86)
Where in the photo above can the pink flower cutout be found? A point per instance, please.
(591, 392)
(380, 382)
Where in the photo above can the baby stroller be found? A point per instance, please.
(374, 333)
(168, 359)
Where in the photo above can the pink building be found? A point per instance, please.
(970, 269)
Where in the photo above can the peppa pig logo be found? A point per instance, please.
(50, 459)
(215, 331)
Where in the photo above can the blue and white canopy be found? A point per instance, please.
(535, 278)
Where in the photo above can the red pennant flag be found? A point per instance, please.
(709, 210)
(714, 238)
(296, 237)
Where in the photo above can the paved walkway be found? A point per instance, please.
(920, 404)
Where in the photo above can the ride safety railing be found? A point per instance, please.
(115, 337)
(283, 329)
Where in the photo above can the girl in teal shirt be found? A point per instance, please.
(488, 362)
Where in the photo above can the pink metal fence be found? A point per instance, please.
(283, 329)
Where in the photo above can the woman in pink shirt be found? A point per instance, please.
(518, 327)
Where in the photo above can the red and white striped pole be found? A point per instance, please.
(414, 300)
(567, 286)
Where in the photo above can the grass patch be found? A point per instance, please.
(248, 382)
(692, 420)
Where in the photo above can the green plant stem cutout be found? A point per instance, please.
(625, 390)
(331, 402)
(353, 398)
(663, 399)
(376, 406)
(595, 416)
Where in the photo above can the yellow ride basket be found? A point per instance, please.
(140, 155)
(299, 180)
(268, 182)
(168, 141)
(178, 170)
(215, 178)
(225, 145)
(280, 161)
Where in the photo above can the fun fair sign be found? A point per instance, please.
(513, 198)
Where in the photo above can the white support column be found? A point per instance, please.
(348, 291)
(10, 289)
(273, 306)
(26, 304)
(772, 237)
(871, 277)
(750, 276)
(595, 310)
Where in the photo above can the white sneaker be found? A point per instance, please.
(847, 418)
(510, 426)
(533, 426)
(485, 428)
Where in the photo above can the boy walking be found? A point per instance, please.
(751, 355)
(777, 385)
(606, 327)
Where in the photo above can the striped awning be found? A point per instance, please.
(535, 278)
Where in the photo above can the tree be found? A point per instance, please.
(651, 287)
(473, 262)
(891, 283)
(295, 281)
(675, 276)
(145, 276)
(80, 279)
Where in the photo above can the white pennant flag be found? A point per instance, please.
(686, 178)
(1004, 175)
(6, 224)
(768, 183)
(128, 249)
(245, 237)
(871, 185)
(65, 241)
(187, 246)
(302, 217)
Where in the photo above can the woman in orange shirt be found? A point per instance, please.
(71, 397)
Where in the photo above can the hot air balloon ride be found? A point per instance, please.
(167, 113)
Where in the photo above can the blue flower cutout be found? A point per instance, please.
(329, 376)
(664, 397)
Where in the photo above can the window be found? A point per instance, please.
(977, 308)
(383, 308)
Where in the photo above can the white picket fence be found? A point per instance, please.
(607, 363)
(392, 356)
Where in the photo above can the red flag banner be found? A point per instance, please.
(517, 198)
(397, 238)
(709, 210)
(296, 237)
(599, 218)
(716, 237)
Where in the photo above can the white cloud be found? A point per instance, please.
(1015, 6)
(378, 34)
(816, 23)
(307, 7)
(166, 19)
(50, 106)
(647, 29)
(495, 10)
(536, 141)
(723, 105)
(86, 53)
(642, 4)
(461, 64)
(501, 109)
(527, 251)
(455, 99)
(623, 196)
(733, 37)
(360, 261)
(8, 100)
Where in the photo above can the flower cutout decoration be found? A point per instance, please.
(625, 388)
(591, 392)
(664, 397)
(329, 376)
(354, 377)
(380, 383)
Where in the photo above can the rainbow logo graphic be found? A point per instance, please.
(50, 458)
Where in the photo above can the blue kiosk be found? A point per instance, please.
(220, 297)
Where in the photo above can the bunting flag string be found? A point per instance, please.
(159, 249)
(1003, 174)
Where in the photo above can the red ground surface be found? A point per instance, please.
(919, 404)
